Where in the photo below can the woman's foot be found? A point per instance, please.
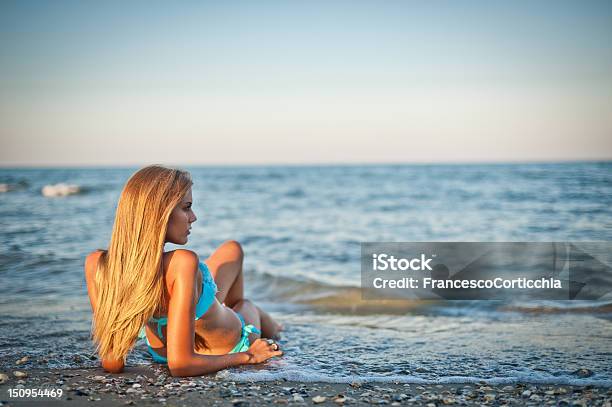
(269, 327)
(278, 327)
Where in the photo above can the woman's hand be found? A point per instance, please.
(262, 350)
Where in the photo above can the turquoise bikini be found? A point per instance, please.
(207, 297)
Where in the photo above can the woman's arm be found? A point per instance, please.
(182, 359)
(111, 365)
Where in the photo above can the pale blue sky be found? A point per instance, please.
(304, 82)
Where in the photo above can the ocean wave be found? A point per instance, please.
(554, 307)
(8, 187)
(61, 189)
(328, 297)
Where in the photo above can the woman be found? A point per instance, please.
(195, 314)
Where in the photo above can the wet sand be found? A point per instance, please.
(152, 385)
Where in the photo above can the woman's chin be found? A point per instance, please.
(179, 242)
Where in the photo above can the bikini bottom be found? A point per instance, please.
(242, 345)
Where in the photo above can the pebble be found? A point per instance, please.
(297, 398)
(22, 360)
(340, 399)
(19, 374)
(489, 397)
(561, 390)
(526, 393)
(319, 399)
(400, 397)
(3, 378)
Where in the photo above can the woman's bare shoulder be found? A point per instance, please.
(91, 261)
(181, 263)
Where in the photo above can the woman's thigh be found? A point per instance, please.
(225, 265)
(249, 312)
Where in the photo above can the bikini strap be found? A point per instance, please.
(160, 323)
(251, 329)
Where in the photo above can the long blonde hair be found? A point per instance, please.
(130, 275)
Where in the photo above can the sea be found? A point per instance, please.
(301, 228)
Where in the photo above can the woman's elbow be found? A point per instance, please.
(180, 371)
(179, 368)
(177, 372)
(113, 365)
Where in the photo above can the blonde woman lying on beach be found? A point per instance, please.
(195, 316)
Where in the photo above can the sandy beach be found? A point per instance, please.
(152, 385)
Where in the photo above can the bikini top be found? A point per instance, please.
(207, 297)
(209, 290)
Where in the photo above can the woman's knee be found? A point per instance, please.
(245, 303)
(233, 249)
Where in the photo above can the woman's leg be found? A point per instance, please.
(269, 327)
(225, 265)
(254, 315)
(250, 313)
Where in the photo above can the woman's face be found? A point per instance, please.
(180, 221)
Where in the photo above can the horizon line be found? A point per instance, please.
(308, 164)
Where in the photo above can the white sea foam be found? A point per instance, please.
(60, 189)
(300, 376)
